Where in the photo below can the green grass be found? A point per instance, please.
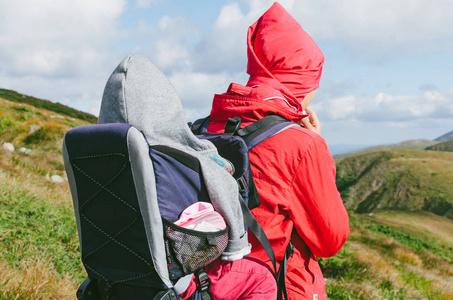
(420, 283)
(444, 146)
(344, 267)
(35, 168)
(31, 228)
(391, 262)
(336, 292)
(6, 122)
(43, 135)
(39, 248)
(399, 179)
(420, 245)
(48, 105)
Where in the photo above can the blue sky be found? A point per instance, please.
(387, 77)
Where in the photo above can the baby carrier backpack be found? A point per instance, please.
(133, 175)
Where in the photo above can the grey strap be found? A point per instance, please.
(183, 284)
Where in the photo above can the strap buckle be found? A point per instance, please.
(232, 125)
(242, 182)
(203, 281)
(290, 249)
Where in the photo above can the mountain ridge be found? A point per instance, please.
(398, 179)
(445, 137)
(442, 146)
(59, 108)
(418, 144)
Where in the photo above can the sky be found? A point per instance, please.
(387, 78)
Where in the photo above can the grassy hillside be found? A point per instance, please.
(39, 255)
(400, 179)
(411, 144)
(393, 255)
(444, 146)
(47, 105)
(389, 255)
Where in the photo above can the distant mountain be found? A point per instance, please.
(444, 146)
(419, 144)
(446, 137)
(398, 179)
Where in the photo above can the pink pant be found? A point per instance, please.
(245, 279)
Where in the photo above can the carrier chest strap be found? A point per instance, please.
(203, 284)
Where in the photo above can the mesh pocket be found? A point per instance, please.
(194, 249)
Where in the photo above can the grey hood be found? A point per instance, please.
(140, 94)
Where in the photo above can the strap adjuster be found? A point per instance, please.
(232, 125)
(290, 249)
(203, 281)
(242, 182)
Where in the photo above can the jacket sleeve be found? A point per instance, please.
(315, 206)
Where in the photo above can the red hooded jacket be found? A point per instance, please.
(294, 171)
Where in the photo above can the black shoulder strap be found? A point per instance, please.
(254, 197)
(258, 231)
(253, 130)
(253, 135)
(249, 133)
(231, 127)
(200, 125)
(281, 276)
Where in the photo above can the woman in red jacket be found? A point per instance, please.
(294, 171)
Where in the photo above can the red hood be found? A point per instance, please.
(283, 54)
(284, 64)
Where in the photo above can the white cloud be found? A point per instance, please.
(168, 44)
(224, 45)
(171, 48)
(178, 47)
(374, 28)
(55, 38)
(65, 51)
(146, 3)
(258, 7)
(397, 109)
(387, 26)
(95, 108)
(58, 50)
(366, 29)
(197, 89)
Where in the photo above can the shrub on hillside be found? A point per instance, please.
(43, 135)
(6, 122)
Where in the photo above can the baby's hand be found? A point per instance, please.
(311, 122)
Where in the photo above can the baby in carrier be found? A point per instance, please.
(139, 94)
(246, 278)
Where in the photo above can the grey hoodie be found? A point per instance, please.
(140, 94)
